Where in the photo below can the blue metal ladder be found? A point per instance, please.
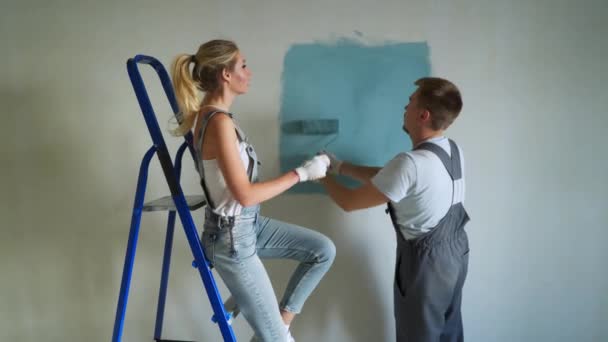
(177, 202)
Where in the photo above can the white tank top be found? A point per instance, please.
(225, 203)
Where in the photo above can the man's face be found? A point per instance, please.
(410, 113)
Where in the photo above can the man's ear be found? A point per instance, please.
(425, 115)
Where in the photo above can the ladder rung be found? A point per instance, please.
(166, 203)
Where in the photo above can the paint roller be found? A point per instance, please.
(309, 128)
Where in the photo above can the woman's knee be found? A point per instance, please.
(326, 250)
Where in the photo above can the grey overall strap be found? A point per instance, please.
(452, 164)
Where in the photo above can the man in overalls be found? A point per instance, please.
(424, 189)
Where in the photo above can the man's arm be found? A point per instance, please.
(365, 196)
(361, 173)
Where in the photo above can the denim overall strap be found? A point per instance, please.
(227, 222)
(252, 171)
(199, 154)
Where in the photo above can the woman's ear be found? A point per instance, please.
(225, 75)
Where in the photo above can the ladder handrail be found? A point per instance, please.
(172, 179)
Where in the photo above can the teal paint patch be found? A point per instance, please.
(349, 98)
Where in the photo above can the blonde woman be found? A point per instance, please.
(235, 235)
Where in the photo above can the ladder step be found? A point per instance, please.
(166, 203)
(231, 308)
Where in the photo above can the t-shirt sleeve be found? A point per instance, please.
(396, 178)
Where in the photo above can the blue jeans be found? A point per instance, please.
(235, 253)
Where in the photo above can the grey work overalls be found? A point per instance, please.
(430, 270)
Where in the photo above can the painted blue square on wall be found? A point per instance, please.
(347, 97)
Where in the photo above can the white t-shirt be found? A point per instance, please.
(420, 188)
(222, 198)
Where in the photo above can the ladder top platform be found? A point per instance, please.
(166, 203)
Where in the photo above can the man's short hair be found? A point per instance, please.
(441, 98)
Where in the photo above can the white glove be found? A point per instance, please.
(313, 169)
(335, 163)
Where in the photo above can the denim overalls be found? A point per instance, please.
(226, 222)
(430, 270)
(235, 244)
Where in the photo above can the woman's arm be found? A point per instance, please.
(233, 170)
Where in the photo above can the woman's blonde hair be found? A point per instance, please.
(209, 61)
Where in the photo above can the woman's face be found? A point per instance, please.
(240, 76)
